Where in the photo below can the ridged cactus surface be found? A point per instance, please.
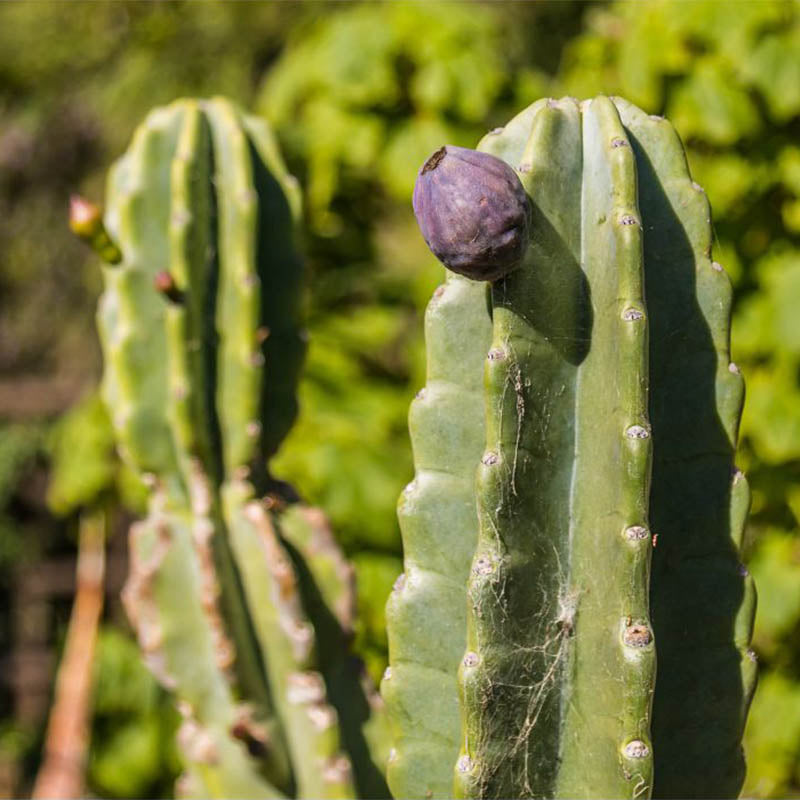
(241, 599)
(426, 612)
(703, 599)
(611, 412)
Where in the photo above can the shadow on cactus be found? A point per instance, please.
(242, 602)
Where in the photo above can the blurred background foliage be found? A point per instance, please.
(360, 94)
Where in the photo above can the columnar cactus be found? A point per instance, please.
(580, 409)
(603, 423)
(241, 600)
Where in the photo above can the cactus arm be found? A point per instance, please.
(439, 526)
(131, 314)
(703, 599)
(190, 349)
(327, 587)
(164, 599)
(164, 222)
(288, 646)
(201, 382)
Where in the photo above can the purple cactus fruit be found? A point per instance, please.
(473, 212)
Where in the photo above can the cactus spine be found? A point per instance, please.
(236, 591)
(587, 390)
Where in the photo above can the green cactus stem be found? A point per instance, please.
(583, 382)
(200, 330)
(440, 527)
(558, 626)
(156, 353)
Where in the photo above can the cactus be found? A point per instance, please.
(599, 427)
(240, 598)
(580, 408)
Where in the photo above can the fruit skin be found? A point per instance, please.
(473, 212)
(240, 598)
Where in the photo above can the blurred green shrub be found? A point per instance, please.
(84, 467)
(369, 93)
(19, 446)
(133, 751)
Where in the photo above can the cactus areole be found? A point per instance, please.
(473, 212)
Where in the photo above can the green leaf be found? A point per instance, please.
(84, 463)
(772, 738)
(776, 569)
(710, 105)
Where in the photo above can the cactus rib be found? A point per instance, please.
(288, 645)
(439, 526)
(703, 599)
(556, 590)
(327, 588)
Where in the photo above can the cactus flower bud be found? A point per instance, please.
(86, 222)
(165, 284)
(473, 212)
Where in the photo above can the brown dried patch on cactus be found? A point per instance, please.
(323, 544)
(139, 602)
(286, 597)
(202, 534)
(247, 730)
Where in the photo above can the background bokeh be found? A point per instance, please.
(359, 94)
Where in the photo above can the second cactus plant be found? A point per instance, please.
(242, 602)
